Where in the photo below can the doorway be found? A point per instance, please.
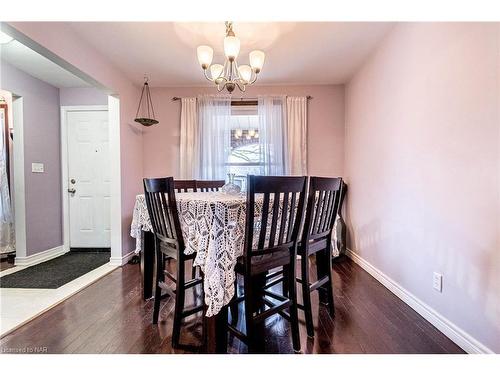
(86, 177)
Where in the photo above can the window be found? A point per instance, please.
(238, 138)
(245, 154)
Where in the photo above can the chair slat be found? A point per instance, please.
(317, 211)
(284, 216)
(263, 220)
(274, 221)
(209, 185)
(291, 217)
(183, 186)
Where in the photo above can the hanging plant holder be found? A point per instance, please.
(145, 107)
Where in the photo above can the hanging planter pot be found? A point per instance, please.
(145, 108)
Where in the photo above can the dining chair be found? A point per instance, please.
(322, 206)
(209, 185)
(169, 243)
(184, 186)
(274, 214)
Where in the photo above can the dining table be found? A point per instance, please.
(213, 227)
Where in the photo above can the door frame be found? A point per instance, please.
(19, 195)
(114, 214)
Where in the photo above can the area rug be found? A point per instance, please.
(56, 272)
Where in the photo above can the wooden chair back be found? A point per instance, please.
(184, 186)
(279, 219)
(209, 185)
(162, 208)
(322, 207)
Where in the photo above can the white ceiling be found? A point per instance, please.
(296, 53)
(40, 67)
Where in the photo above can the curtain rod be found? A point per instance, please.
(236, 99)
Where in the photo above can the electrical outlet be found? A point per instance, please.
(37, 167)
(437, 281)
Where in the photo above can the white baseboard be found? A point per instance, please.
(120, 261)
(454, 333)
(40, 257)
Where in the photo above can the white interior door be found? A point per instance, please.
(88, 179)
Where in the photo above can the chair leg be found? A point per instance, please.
(234, 307)
(179, 303)
(286, 285)
(159, 277)
(328, 269)
(249, 309)
(306, 295)
(294, 317)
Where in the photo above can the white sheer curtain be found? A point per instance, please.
(297, 135)
(273, 134)
(189, 148)
(6, 217)
(214, 134)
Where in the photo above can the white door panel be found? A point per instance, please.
(89, 176)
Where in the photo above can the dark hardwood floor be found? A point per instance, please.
(110, 316)
(5, 265)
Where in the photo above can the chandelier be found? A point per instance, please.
(230, 74)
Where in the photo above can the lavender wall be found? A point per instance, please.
(82, 96)
(325, 135)
(62, 40)
(423, 167)
(41, 145)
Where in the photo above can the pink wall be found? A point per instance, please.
(82, 96)
(423, 167)
(41, 145)
(326, 127)
(59, 38)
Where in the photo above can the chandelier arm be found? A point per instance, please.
(220, 88)
(241, 86)
(206, 75)
(254, 79)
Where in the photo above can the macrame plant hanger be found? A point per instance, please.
(147, 107)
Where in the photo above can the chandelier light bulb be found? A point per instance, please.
(257, 60)
(231, 47)
(205, 55)
(245, 72)
(216, 71)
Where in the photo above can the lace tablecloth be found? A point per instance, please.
(213, 225)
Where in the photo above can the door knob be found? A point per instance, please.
(72, 191)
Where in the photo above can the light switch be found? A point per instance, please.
(37, 167)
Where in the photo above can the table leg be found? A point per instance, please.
(216, 332)
(148, 264)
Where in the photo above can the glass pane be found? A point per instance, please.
(245, 156)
